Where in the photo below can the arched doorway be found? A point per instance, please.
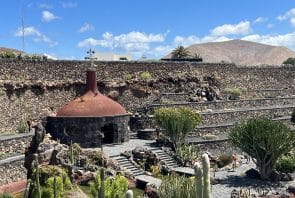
(108, 132)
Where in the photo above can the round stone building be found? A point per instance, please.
(91, 119)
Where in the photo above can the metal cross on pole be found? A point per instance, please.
(90, 57)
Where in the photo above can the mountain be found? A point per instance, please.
(241, 52)
(5, 49)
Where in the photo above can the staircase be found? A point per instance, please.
(126, 164)
(163, 156)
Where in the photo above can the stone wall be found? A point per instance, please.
(229, 104)
(217, 119)
(12, 170)
(37, 89)
(15, 144)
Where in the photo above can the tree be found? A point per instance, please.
(289, 61)
(180, 53)
(264, 141)
(177, 122)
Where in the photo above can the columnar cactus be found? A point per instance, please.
(101, 193)
(203, 188)
(206, 176)
(199, 180)
(129, 194)
(37, 175)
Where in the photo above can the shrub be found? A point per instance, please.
(286, 164)
(234, 93)
(224, 160)
(177, 122)
(145, 76)
(290, 61)
(127, 77)
(174, 186)
(264, 141)
(22, 127)
(187, 153)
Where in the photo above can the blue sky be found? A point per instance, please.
(67, 29)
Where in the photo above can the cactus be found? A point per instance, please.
(27, 191)
(101, 193)
(199, 180)
(203, 187)
(129, 194)
(206, 176)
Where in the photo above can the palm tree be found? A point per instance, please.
(180, 53)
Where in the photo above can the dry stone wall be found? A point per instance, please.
(12, 170)
(37, 89)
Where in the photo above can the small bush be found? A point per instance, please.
(224, 160)
(174, 186)
(145, 76)
(127, 77)
(187, 153)
(22, 127)
(286, 164)
(289, 61)
(234, 93)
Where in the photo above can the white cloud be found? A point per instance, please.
(290, 15)
(270, 25)
(130, 42)
(230, 29)
(69, 4)
(260, 20)
(48, 16)
(287, 40)
(86, 27)
(36, 34)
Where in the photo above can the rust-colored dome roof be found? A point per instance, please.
(91, 103)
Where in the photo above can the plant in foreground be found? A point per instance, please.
(264, 140)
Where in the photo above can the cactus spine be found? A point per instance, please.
(203, 187)
(129, 194)
(206, 176)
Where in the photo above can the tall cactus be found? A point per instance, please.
(54, 187)
(101, 193)
(203, 187)
(199, 180)
(206, 176)
(129, 194)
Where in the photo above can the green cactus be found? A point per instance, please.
(101, 193)
(203, 188)
(129, 194)
(206, 176)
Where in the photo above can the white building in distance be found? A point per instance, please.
(105, 56)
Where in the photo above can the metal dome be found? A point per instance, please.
(91, 103)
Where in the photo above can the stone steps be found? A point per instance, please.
(170, 162)
(126, 164)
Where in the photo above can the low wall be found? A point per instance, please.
(15, 144)
(221, 118)
(230, 104)
(12, 170)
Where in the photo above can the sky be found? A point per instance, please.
(152, 28)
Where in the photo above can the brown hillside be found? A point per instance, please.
(5, 49)
(241, 52)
